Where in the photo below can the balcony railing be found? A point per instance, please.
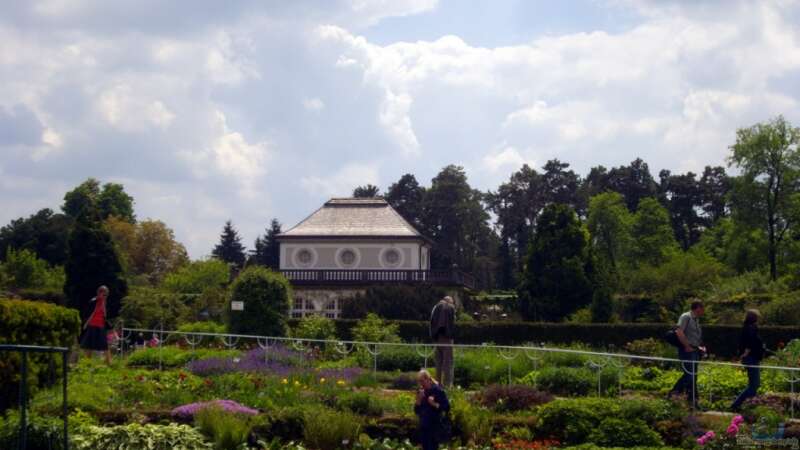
(359, 277)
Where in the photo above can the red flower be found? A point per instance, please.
(208, 382)
(139, 377)
(182, 376)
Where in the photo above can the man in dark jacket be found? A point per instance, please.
(443, 318)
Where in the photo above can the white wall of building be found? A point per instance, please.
(354, 255)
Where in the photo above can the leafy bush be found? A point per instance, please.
(374, 329)
(784, 310)
(395, 302)
(226, 429)
(197, 276)
(140, 437)
(404, 382)
(470, 422)
(516, 397)
(151, 308)
(266, 296)
(572, 421)
(360, 403)
(22, 269)
(49, 295)
(624, 433)
(326, 428)
(315, 327)
(32, 323)
(198, 327)
(573, 381)
(43, 433)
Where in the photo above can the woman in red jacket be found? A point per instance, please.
(94, 335)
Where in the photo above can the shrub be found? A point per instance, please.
(43, 433)
(201, 327)
(471, 423)
(403, 359)
(573, 381)
(169, 356)
(49, 295)
(375, 329)
(227, 429)
(286, 423)
(360, 403)
(404, 382)
(784, 310)
(266, 296)
(315, 327)
(395, 302)
(326, 428)
(502, 397)
(140, 437)
(624, 433)
(32, 323)
(150, 308)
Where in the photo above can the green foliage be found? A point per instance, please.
(516, 397)
(230, 248)
(765, 193)
(89, 199)
(609, 224)
(22, 269)
(471, 423)
(575, 421)
(327, 428)
(198, 276)
(200, 327)
(602, 307)
(682, 275)
(735, 244)
(557, 276)
(170, 356)
(44, 233)
(43, 433)
(397, 302)
(92, 262)
(150, 308)
(624, 433)
(315, 327)
(228, 431)
(374, 329)
(266, 296)
(653, 239)
(32, 323)
(360, 403)
(573, 381)
(784, 310)
(134, 436)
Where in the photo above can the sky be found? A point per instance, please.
(248, 110)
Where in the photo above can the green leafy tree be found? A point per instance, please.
(736, 245)
(266, 296)
(609, 224)
(683, 198)
(198, 276)
(602, 307)
(557, 279)
(44, 233)
(89, 198)
(92, 262)
(653, 239)
(634, 182)
(367, 191)
(715, 185)
(374, 329)
(22, 269)
(765, 194)
(315, 327)
(456, 220)
(230, 248)
(406, 197)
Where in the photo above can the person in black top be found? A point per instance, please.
(430, 406)
(752, 352)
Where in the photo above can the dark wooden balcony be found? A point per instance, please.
(366, 277)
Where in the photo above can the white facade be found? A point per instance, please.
(354, 255)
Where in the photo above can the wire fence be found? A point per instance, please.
(598, 361)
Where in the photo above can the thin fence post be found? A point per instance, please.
(23, 403)
(64, 405)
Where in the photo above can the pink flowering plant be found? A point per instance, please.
(189, 411)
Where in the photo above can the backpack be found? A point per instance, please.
(672, 337)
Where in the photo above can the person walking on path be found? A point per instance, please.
(94, 330)
(431, 407)
(751, 349)
(691, 337)
(442, 330)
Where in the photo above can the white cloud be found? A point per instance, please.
(313, 104)
(509, 159)
(342, 182)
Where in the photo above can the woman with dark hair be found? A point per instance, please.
(752, 352)
(94, 335)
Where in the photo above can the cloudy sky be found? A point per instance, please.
(208, 110)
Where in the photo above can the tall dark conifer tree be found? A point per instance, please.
(230, 248)
(267, 249)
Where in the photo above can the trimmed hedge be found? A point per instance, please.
(32, 323)
(722, 340)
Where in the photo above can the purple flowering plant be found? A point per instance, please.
(188, 411)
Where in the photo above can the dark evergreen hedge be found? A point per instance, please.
(722, 340)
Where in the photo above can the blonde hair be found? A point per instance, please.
(102, 288)
(424, 374)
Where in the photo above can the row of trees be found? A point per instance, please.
(614, 231)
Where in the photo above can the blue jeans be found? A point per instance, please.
(753, 383)
(688, 382)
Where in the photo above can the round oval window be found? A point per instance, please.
(304, 257)
(348, 258)
(392, 257)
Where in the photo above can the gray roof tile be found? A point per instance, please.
(354, 217)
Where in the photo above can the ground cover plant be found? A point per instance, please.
(300, 396)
